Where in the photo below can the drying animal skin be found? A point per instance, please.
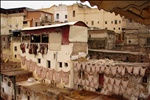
(122, 70)
(57, 77)
(142, 71)
(50, 75)
(116, 89)
(117, 82)
(113, 70)
(136, 70)
(129, 69)
(65, 77)
(111, 81)
(124, 83)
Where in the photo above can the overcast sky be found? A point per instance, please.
(35, 4)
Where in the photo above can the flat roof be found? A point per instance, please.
(15, 72)
(116, 51)
(50, 26)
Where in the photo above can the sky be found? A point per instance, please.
(36, 4)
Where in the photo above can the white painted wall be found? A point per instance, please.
(62, 11)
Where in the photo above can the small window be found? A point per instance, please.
(86, 22)
(15, 48)
(36, 23)
(9, 83)
(65, 16)
(39, 60)
(115, 21)
(66, 64)
(48, 64)
(57, 16)
(92, 22)
(74, 13)
(98, 22)
(105, 27)
(3, 38)
(114, 28)
(60, 64)
(119, 21)
(3, 89)
(28, 97)
(18, 90)
(105, 22)
(9, 31)
(15, 56)
(111, 22)
(24, 22)
(119, 28)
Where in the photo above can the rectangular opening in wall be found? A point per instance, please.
(60, 64)
(74, 13)
(28, 97)
(15, 56)
(39, 60)
(15, 48)
(3, 90)
(66, 64)
(9, 83)
(48, 64)
(18, 90)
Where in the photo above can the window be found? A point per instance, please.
(66, 64)
(15, 48)
(9, 31)
(105, 22)
(74, 13)
(119, 28)
(48, 64)
(3, 89)
(18, 90)
(114, 28)
(60, 64)
(36, 23)
(39, 60)
(98, 22)
(115, 21)
(148, 40)
(105, 27)
(119, 21)
(9, 83)
(57, 16)
(111, 22)
(86, 22)
(92, 22)
(28, 97)
(3, 38)
(24, 22)
(65, 16)
(15, 56)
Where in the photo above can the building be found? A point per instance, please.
(60, 12)
(101, 39)
(13, 20)
(91, 16)
(11, 73)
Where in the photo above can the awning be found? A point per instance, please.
(137, 10)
